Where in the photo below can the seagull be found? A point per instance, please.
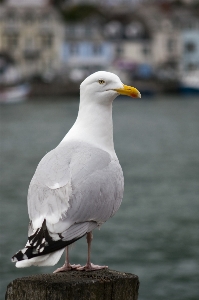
(78, 185)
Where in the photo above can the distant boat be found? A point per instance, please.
(14, 94)
(13, 87)
(189, 83)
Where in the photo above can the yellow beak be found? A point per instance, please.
(129, 91)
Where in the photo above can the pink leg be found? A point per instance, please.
(89, 266)
(67, 266)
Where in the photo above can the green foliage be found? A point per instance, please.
(80, 12)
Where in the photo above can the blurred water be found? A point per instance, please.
(155, 232)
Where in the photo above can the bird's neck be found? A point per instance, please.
(94, 125)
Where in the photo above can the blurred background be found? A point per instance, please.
(50, 46)
(46, 49)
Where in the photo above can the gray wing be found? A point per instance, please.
(76, 187)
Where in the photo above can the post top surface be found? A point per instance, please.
(102, 275)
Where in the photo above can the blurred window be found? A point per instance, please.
(97, 49)
(28, 18)
(31, 55)
(73, 49)
(29, 43)
(47, 40)
(113, 29)
(134, 30)
(190, 47)
(191, 67)
(119, 50)
(191, 24)
(11, 18)
(30, 51)
(70, 31)
(146, 50)
(171, 43)
(88, 31)
(79, 31)
(46, 19)
(12, 41)
(167, 25)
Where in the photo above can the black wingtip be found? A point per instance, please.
(41, 243)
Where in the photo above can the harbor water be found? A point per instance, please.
(155, 233)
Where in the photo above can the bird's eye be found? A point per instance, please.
(101, 81)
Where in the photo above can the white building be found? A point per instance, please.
(32, 33)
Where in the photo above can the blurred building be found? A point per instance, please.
(84, 49)
(105, 2)
(9, 72)
(32, 33)
(190, 40)
(190, 46)
(147, 42)
(166, 45)
(130, 38)
(156, 37)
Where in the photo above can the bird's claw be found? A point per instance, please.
(91, 267)
(67, 267)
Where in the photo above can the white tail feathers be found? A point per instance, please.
(43, 260)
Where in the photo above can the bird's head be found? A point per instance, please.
(104, 87)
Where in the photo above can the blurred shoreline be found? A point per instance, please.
(149, 88)
(49, 47)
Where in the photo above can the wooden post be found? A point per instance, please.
(75, 285)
